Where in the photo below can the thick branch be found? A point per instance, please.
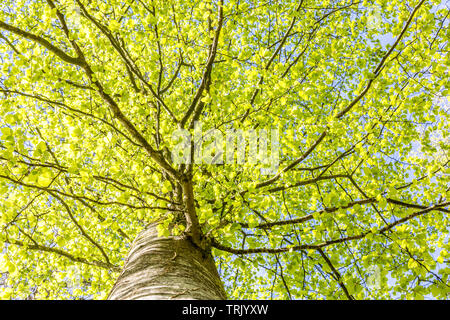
(195, 105)
(64, 254)
(27, 35)
(381, 64)
(327, 243)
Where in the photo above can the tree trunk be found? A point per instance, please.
(167, 268)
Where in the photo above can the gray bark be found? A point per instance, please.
(167, 268)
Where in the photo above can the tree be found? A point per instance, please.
(94, 204)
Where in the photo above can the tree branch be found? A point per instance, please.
(27, 35)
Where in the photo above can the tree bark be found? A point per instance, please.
(167, 268)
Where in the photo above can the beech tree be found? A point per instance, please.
(94, 206)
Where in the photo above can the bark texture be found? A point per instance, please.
(167, 268)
